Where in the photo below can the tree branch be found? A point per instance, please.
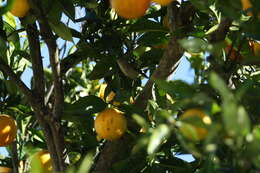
(55, 116)
(55, 66)
(37, 65)
(217, 36)
(15, 160)
(179, 18)
(220, 33)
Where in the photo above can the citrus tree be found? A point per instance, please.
(86, 86)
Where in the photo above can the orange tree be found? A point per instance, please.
(72, 47)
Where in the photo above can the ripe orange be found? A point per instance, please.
(255, 46)
(5, 169)
(246, 4)
(110, 124)
(194, 131)
(20, 8)
(42, 159)
(8, 130)
(163, 2)
(130, 9)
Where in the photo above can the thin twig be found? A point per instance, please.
(6, 69)
(48, 95)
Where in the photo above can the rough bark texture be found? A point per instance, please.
(47, 120)
(15, 160)
(55, 116)
(37, 64)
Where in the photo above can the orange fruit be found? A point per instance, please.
(194, 131)
(5, 169)
(163, 2)
(246, 4)
(110, 124)
(8, 130)
(42, 160)
(255, 46)
(20, 8)
(130, 9)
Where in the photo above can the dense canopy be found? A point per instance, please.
(62, 62)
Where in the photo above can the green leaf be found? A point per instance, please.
(234, 116)
(55, 12)
(61, 30)
(22, 53)
(9, 18)
(152, 38)
(11, 87)
(146, 25)
(101, 69)
(38, 135)
(201, 5)
(220, 86)
(176, 89)
(3, 48)
(91, 102)
(140, 120)
(159, 134)
(194, 45)
(7, 7)
(82, 110)
(86, 163)
(68, 8)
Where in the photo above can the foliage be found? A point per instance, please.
(226, 88)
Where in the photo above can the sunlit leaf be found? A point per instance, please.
(61, 30)
(159, 134)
